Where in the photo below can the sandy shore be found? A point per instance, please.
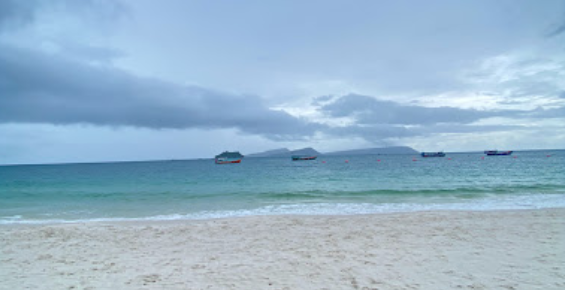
(436, 250)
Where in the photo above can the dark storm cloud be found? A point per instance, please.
(41, 88)
(368, 110)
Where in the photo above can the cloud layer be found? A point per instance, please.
(367, 111)
(386, 72)
(49, 88)
(42, 88)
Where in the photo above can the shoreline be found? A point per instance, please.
(502, 249)
(39, 223)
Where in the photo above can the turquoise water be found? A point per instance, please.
(199, 189)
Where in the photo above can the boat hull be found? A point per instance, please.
(432, 154)
(228, 161)
(228, 157)
(299, 158)
(498, 153)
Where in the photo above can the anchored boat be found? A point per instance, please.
(497, 153)
(296, 158)
(432, 154)
(228, 157)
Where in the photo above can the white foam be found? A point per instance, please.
(538, 201)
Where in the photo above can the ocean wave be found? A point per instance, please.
(517, 202)
(465, 192)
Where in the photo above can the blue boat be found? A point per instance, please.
(297, 158)
(497, 153)
(432, 154)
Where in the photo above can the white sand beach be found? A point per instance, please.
(429, 250)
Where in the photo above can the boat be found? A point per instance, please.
(228, 157)
(297, 157)
(497, 153)
(432, 154)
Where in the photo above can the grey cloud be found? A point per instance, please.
(368, 110)
(378, 120)
(403, 48)
(16, 13)
(374, 133)
(90, 52)
(547, 113)
(558, 29)
(544, 83)
(380, 133)
(461, 128)
(40, 88)
(321, 99)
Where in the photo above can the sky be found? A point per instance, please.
(116, 80)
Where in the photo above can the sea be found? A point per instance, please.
(330, 185)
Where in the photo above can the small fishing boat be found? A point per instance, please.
(228, 157)
(497, 153)
(432, 154)
(297, 158)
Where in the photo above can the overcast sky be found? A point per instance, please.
(105, 80)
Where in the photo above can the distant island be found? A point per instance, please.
(284, 152)
(376, 151)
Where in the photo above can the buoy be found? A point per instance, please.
(515, 157)
(378, 160)
(548, 155)
(448, 158)
(483, 158)
(323, 161)
(346, 161)
(414, 159)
